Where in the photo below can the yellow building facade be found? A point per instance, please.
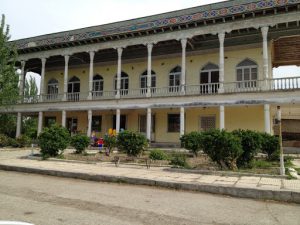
(165, 75)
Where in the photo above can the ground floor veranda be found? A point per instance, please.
(162, 125)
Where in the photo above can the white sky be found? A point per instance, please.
(29, 18)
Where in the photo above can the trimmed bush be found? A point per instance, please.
(23, 141)
(222, 147)
(52, 140)
(133, 143)
(179, 159)
(270, 146)
(192, 141)
(251, 143)
(158, 154)
(80, 142)
(13, 143)
(110, 141)
(4, 140)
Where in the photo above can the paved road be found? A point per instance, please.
(54, 201)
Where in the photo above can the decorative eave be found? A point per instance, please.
(153, 24)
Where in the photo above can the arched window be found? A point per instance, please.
(209, 78)
(143, 81)
(124, 83)
(73, 89)
(52, 89)
(246, 73)
(97, 85)
(174, 79)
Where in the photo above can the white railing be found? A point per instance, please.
(202, 89)
(290, 83)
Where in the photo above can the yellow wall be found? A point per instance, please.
(162, 67)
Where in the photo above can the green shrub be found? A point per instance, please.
(4, 140)
(158, 154)
(52, 140)
(251, 143)
(179, 159)
(270, 146)
(222, 147)
(192, 141)
(133, 143)
(13, 142)
(80, 142)
(110, 141)
(23, 141)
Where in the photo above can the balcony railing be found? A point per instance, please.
(275, 84)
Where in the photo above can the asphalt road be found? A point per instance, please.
(49, 200)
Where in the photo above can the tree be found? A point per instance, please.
(8, 75)
(31, 89)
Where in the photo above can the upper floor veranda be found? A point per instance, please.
(228, 47)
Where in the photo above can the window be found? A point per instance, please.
(50, 120)
(174, 79)
(73, 89)
(124, 83)
(246, 74)
(52, 91)
(207, 123)
(143, 123)
(96, 123)
(123, 125)
(143, 81)
(97, 85)
(173, 122)
(209, 78)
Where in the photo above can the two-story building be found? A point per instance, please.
(164, 75)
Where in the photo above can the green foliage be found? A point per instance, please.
(23, 141)
(29, 127)
(30, 90)
(222, 147)
(110, 141)
(179, 159)
(80, 142)
(4, 141)
(8, 124)
(8, 75)
(52, 140)
(270, 146)
(158, 154)
(133, 143)
(13, 142)
(192, 141)
(251, 143)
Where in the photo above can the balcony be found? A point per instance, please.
(275, 84)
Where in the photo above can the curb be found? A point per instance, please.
(254, 193)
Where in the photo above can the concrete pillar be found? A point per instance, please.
(91, 74)
(149, 69)
(21, 80)
(118, 116)
(42, 91)
(119, 71)
(63, 118)
(267, 118)
(19, 124)
(90, 116)
(67, 57)
(149, 123)
(182, 125)
(183, 64)
(40, 123)
(221, 36)
(264, 31)
(222, 117)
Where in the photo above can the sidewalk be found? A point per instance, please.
(243, 186)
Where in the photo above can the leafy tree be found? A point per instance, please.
(29, 126)
(8, 75)
(8, 125)
(80, 142)
(192, 141)
(30, 88)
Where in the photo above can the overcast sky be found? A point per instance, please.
(29, 18)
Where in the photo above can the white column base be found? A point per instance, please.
(182, 124)
(19, 124)
(40, 123)
(222, 117)
(118, 116)
(267, 118)
(149, 124)
(90, 116)
(63, 118)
